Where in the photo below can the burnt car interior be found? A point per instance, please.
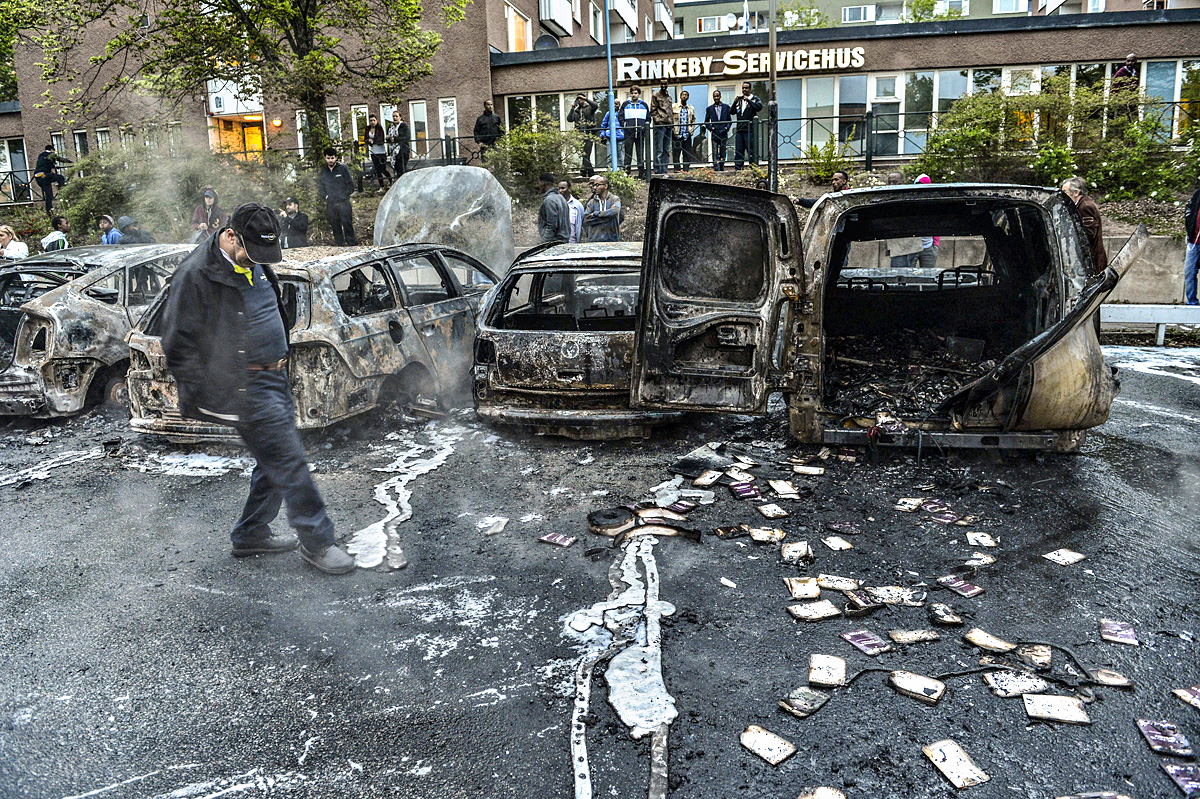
(18, 288)
(903, 333)
(573, 301)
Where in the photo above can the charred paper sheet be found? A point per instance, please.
(802, 587)
(955, 764)
(745, 490)
(913, 636)
(767, 745)
(708, 478)
(1052, 707)
(1187, 777)
(822, 793)
(739, 475)
(898, 595)
(860, 602)
(558, 539)
(835, 583)
(803, 702)
(1064, 557)
(909, 504)
(1189, 695)
(941, 613)
(867, 642)
(772, 511)
(1096, 795)
(766, 535)
(920, 687)
(991, 643)
(981, 540)
(826, 671)
(843, 528)
(784, 489)
(1118, 632)
(1165, 738)
(1037, 654)
(1008, 684)
(811, 471)
(837, 543)
(814, 611)
(979, 559)
(796, 553)
(960, 586)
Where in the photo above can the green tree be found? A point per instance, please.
(796, 14)
(15, 16)
(926, 11)
(294, 50)
(528, 150)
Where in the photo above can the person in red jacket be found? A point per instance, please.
(208, 218)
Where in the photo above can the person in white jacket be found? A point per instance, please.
(56, 239)
(11, 246)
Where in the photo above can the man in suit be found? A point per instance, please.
(745, 109)
(1076, 189)
(717, 120)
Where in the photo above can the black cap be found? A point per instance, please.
(259, 229)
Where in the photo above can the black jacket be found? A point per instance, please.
(584, 116)
(745, 109)
(204, 328)
(487, 129)
(1189, 215)
(295, 230)
(335, 185)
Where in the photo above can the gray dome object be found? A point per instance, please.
(458, 206)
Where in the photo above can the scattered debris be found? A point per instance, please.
(843, 528)
(1189, 695)
(913, 636)
(898, 595)
(1165, 738)
(960, 586)
(979, 559)
(926, 689)
(940, 613)
(955, 764)
(991, 643)
(826, 671)
(558, 539)
(767, 745)
(784, 489)
(1111, 678)
(1052, 707)
(802, 587)
(796, 553)
(837, 543)
(745, 490)
(1037, 654)
(1007, 684)
(657, 528)
(738, 475)
(867, 642)
(909, 504)
(860, 602)
(803, 702)
(490, 525)
(1118, 632)
(733, 531)
(814, 611)
(766, 535)
(1064, 557)
(822, 793)
(1096, 795)
(1187, 777)
(611, 521)
(725, 581)
(981, 540)
(708, 478)
(772, 511)
(811, 471)
(835, 583)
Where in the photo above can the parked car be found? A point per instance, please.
(64, 317)
(554, 351)
(993, 346)
(388, 322)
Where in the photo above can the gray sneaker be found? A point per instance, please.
(331, 560)
(266, 546)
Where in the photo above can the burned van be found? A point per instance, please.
(554, 351)
(957, 314)
(393, 322)
(65, 316)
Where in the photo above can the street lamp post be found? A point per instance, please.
(772, 117)
(612, 103)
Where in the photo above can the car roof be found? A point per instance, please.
(331, 264)
(588, 256)
(942, 191)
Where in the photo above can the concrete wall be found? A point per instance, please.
(1156, 276)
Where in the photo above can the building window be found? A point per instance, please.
(333, 121)
(174, 135)
(419, 127)
(711, 25)
(1010, 6)
(962, 7)
(301, 131)
(1095, 6)
(60, 143)
(597, 22)
(952, 84)
(448, 115)
(861, 13)
(985, 81)
(520, 32)
(81, 143)
(128, 137)
(679, 27)
(103, 138)
(358, 124)
(649, 30)
(576, 13)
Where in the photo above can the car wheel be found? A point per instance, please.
(116, 393)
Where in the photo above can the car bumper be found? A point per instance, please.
(182, 431)
(21, 393)
(600, 424)
(1049, 440)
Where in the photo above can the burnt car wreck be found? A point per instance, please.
(994, 346)
(392, 323)
(64, 318)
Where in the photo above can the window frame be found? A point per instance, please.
(388, 278)
(435, 261)
(868, 14)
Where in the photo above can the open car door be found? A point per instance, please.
(1057, 380)
(718, 266)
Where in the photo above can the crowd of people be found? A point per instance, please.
(563, 218)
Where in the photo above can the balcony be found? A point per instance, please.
(664, 20)
(625, 11)
(556, 16)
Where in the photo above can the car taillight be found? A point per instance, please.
(485, 351)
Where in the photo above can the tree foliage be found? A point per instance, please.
(797, 14)
(295, 50)
(15, 16)
(528, 150)
(926, 11)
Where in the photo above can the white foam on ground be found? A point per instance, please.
(43, 469)
(1157, 361)
(187, 464)
(1158, 410)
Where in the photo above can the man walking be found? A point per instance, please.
(1076, 189)
(1191, 223)
(293, 224)
(335, 185)
(602, 216)
(717, 119)
(662, 112)
(745, 109)
(554, 217)
(576, 210)
(45, 172)
(632, 117)
(487, 129)
(683, 118)
(56, 239)
(583, 116)
(226, 345)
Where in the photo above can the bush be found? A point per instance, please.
(623, 185)
(821, 161)
(1053, 164)
(1134, 164)
(530, 149)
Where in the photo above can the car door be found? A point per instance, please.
(145, 281)
(373, 326)
(719, 265)
(441, 317)
(472, 280)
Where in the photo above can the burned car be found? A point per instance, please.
(555, 343)
(393, 322)
(993, 345)
(65, 315)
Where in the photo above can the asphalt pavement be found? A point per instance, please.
(138, 659)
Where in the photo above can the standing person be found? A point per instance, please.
(108, 230)
(683, 118)
(11, 246)
(1076, 189)
(208, 217)
(226, 344)
(335, 185)
(1124, 89)
(1191, 223)
(583, 116)
(619, 148)
(56, 239)
(576, 209)
(927, 257)
(47, 175)
(397, 137)
(376, 140)
(745, 109)
(487, 129)
(632, 117)
(717, 119)
(662, 113)
(132, 233)
(293, 224)
(603, 215)
(895, 179)
(554, 217)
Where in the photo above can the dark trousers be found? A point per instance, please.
(341, 219)
(743, 146)
(681, 152)
(588, 169)
(662, 148)
(719, 142)
(46, 184)
(635, 138)
(401, 163)
(379, 163)
(281, 473)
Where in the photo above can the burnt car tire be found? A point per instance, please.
(116, 393)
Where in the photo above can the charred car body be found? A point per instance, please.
(994, 349)
(555, 346)
(65, 316)
(392, 321)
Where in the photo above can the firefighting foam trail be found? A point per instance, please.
(371, 545)
(43, 469)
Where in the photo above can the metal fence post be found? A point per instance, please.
(869, 138)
